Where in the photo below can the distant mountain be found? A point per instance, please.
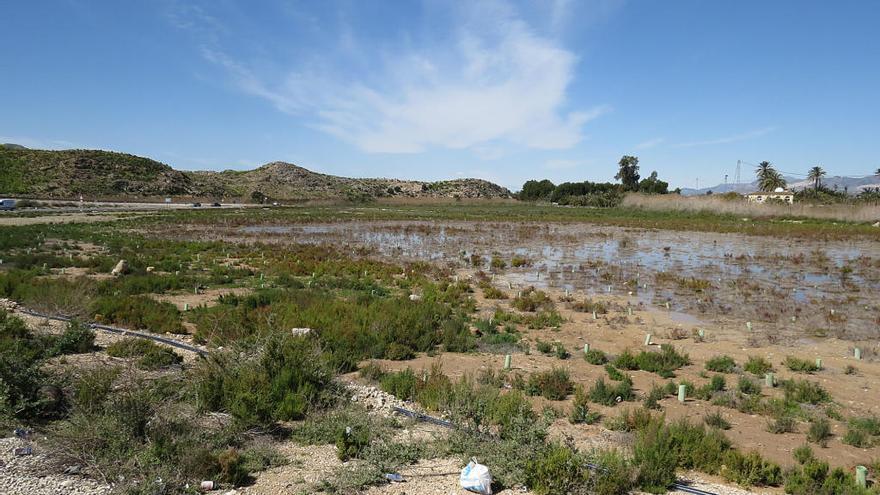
(109, 175)
(13, 146)
(853, 185)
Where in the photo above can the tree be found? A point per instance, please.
(653, 185)
(534, 190)
(628, 175)
(877, 172)
(815, 175)
(768, 177)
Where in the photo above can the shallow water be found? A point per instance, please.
(751, 276)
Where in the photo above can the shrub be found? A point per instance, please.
(716, 420)
(138, 312)
(560, 351)
(631, 419)
(663, 363)
(543, 347)
(758, 366)
(800, 365)
(748, 386)
(721, 364)
(554, 384)
(351, 441)
(857, 438)
(750, 469)
(281, 378)
(371, 371)
(614, 373)
(616, 476)
(819, 432)
(815, 477)
(490, 292)
(655, 457)
(805, 392)
(654, 396)
(580, 411)
(76, 339)
(782, 424)
(803, 454)
(595, 356)
(531, 300)
(589, 305)
(150, 355)
(861, 431)
(609, 395)
(401, 384)
(557, 470)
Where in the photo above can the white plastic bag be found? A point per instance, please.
(476, 478)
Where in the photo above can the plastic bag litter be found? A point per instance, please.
(476, 478)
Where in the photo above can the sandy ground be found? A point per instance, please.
(9, 220)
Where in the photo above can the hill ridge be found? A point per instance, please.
(100, 174)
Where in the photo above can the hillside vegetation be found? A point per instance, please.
(99, 174)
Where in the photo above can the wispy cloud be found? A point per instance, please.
(729, 139)
(494, 80)
(562, 164)
(650, 143)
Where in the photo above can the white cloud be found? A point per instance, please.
(562, 164)
(729, 139)
(650, 143)
(496, 81)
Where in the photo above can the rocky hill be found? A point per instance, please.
(109, 175)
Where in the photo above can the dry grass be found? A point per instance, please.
(719, 205)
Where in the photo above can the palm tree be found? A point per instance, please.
(815, 175)
(768, 178)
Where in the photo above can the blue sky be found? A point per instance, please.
(501, 90)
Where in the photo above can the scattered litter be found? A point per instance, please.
(476, 478)
(415, 297)
(206, 485)
(299, 332)
(120, 268)
(26, 450)
(75, 469)
(394, 477)
(23, 433)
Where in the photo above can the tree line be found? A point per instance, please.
(600, 194)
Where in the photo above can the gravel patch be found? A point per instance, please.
(36, 475)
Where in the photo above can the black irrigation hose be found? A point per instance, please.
(594, 467)
(123, 331)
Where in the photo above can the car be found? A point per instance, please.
(7, 204)
(216, 205)
(197, 205)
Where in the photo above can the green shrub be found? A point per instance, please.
(281, 378)
(819, 432)
(490, 292)
(758, 366)
(543, 347)
(150, 355)
(351, 441)
(857, 438)
(815, 477)
(655, 456)
(531, 300)
(371, 371)
(580, 411)
(782, 424)
(663, 363)
(654, 396)
(595, 356)
(138, 312)
(721, 364)
(716, 420)
(76, 339)
(553, 384)
(748, 386)
(610, 395)
(750, 469)
(401, 384)
(560, 351)
(614, 373)
(589, 305)
(803, 454)
(558, 470)
(804, 392)
(800, 365)
(861, 431)
(630, 419)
